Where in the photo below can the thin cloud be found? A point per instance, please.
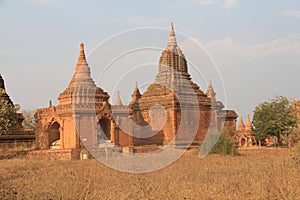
(280, 46)
(230, 3)
(206, 2)
(227, 3)
(137, 20)
(291, 13)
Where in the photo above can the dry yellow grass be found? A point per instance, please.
(257, 174)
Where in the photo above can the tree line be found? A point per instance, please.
(277, 118)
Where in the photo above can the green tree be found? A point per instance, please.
(8, 116)
(29, 121)
(274, 118)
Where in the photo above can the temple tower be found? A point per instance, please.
(83, 113)
(4, 96)
(241, 125)
(182, 100)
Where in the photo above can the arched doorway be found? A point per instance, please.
(104, 132)
(54, 134)
(243, 142)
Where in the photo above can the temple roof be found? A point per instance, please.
(118, 100)
(173, 79)
(4, 96)
(172, 57)
(82, 85)
(82, 75)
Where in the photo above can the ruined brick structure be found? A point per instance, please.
(5, 95)
(167, 110)
(20, 137)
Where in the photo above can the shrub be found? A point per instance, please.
(8, 116)
(291, 139)
(296, 153)
(223, 144)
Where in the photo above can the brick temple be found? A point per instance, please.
(20, 138)
(170, 110)
(245, 134)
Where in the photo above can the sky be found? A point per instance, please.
(249, 49)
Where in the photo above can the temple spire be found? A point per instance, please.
(118, 100)
(81, 57)
(136, 93)
(82, 75)
(210, 91)
(172, 37)
(241, 124)
(248, 125)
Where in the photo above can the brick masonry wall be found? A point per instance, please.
(17, 142)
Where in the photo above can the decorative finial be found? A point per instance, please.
(210, 91)
(50, 104)
(118, 99)
(172, 37)
(136, 85)
(81, 57)
(172, 29)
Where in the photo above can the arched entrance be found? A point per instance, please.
(104, 132)
(54, 134)
(243, 142)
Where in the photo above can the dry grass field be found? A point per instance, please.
(256, 174)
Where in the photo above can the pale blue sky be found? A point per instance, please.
(256, 44)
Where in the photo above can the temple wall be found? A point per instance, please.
(230, 124)
(122, 134)
(189, 125)
(87, 128)
(69, 137)
(205, 123)
(170, 127)
(18, 141)
(42, 139)
(124, 138)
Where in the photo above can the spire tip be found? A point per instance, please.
(172, 38)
